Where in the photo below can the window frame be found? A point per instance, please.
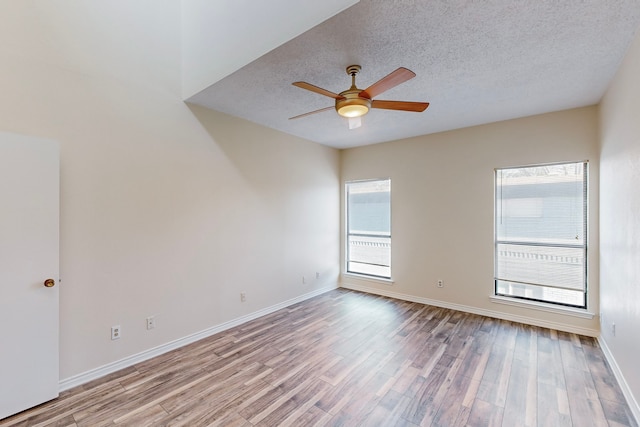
(347, 233)
(584, 246)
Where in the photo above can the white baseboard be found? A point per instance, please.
(475, 310)
(626, 390)
(109, 368)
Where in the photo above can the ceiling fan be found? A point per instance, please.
(355, 103)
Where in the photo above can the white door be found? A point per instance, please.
(29, 233)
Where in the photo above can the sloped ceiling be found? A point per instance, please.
(476, 62)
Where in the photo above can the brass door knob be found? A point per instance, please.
(49, 283)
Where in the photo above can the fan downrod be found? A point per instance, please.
(352, 70)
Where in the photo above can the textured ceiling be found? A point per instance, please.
(476, 62)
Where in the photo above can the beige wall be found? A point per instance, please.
(165, 210)
(620, 219)
(443, 201)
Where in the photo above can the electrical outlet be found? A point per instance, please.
(440, 283)
(303, 280)
(317, 275)
(613, 328)
(151, 322)
(243, 297)
(115, 332)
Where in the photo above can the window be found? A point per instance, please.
(369, 227)
(541, 233)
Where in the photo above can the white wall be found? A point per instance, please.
(246, 28)
(443, 203)
(620, 219)
(165, 210)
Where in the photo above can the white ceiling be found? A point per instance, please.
(476, 62)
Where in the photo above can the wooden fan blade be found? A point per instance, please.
(316, 89)
(392, 80)
(418, 107)
(312, 112)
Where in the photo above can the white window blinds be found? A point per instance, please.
(369, 227)
(540, 241)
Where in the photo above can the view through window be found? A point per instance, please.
(541, 229)
(369, 227)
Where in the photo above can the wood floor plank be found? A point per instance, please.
(128, 403)
(515, 407)
(64, 407)
(351, 388)
(572, 355)
(304, 400)
(150, 416)
(603, 377)
(350, 358)
(455, 409)
(585, 409)
(495, 380)
(520, 406)
(618, 412)
(234, 383)
(312, 417)
(395, 417)
(280, 407)
(424, 394)
(552, 406)
(217, 404)
(485, 414)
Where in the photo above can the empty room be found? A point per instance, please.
(336, 213)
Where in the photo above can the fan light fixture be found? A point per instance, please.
(355, 107)
(353, 111)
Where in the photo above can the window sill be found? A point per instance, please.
(369, 278)
(549, 308)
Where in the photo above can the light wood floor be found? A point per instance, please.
(345, 359)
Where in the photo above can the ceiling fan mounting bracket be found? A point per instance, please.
(352, 70)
